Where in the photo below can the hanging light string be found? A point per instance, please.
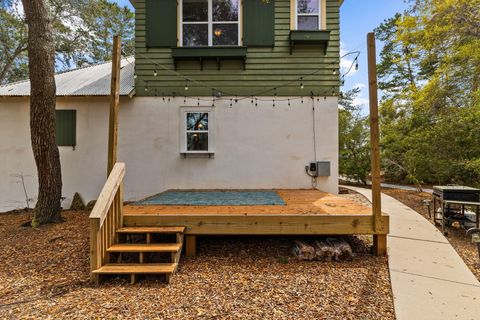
(214, 90)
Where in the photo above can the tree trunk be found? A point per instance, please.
(41, 64)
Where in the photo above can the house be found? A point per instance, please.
(253, 74)
(221, 94)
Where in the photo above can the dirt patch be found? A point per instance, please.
(457, 236)
(45, 273)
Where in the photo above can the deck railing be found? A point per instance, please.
(105, 218)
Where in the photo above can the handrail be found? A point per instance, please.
(105, 218)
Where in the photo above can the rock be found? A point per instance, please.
(90, 205)
(77, 203)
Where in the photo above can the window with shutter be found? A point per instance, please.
(258, 23)
(161, 23)
(66, 127)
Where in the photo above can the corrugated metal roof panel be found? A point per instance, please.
(88, 81)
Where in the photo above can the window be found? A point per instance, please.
(66, 128)
(210, 23)
(308, 14)
(197, 131)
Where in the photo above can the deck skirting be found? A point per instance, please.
(266, 224)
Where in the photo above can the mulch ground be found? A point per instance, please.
(44, 273)
(456, 235)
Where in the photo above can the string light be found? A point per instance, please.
(218, 96)
(155, 72)
(230, 103)
(289, 102)
(198, 102)
(273, 103)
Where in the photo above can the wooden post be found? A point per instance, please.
(379, 240)
(114, 104)
(190, 245)
(94, 256)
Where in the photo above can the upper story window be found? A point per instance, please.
(210, 23)
(308, 14)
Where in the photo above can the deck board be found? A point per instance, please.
(298, 202)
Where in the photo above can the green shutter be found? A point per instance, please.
(161, 23)
(66, 127)
(258, 23)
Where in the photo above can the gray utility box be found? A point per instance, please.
(323, 168)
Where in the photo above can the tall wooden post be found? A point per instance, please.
(114, 104)
(380, 240)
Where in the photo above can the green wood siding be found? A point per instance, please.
(161, 21)
(66, 127)
(258, 23)
(266, 67)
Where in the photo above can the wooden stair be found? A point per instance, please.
(122, 246)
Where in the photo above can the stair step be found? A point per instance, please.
(137, 268)
(145, 247)
(151, 230)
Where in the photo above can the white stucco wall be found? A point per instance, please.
(255, 147)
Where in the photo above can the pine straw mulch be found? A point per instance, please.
(456, 235)
(45, 274)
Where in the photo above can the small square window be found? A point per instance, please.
(308, 14)
(196, 130)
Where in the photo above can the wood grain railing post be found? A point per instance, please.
(94, 244)
(105, 218)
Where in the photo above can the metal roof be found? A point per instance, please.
(87, 81)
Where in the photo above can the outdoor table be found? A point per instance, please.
(443, 205)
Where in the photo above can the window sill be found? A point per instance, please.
(198, 154)
(204, 53)
(309, 37)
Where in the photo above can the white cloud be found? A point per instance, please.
(360, 101)
(359, 85)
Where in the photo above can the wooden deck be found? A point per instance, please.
(305, 212)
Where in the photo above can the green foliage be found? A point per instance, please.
(430, 76)
(83, 29)
(354, 144)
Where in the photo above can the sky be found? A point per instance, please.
(357, 18)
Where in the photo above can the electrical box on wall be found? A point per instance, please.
(323, 168)
(318, 169)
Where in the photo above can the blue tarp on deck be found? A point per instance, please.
(214, 198)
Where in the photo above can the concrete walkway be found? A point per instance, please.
(429, 279)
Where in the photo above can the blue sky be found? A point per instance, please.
(357, 18)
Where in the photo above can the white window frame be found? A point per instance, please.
(210, 23)
(319, 14)
(183, 129)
